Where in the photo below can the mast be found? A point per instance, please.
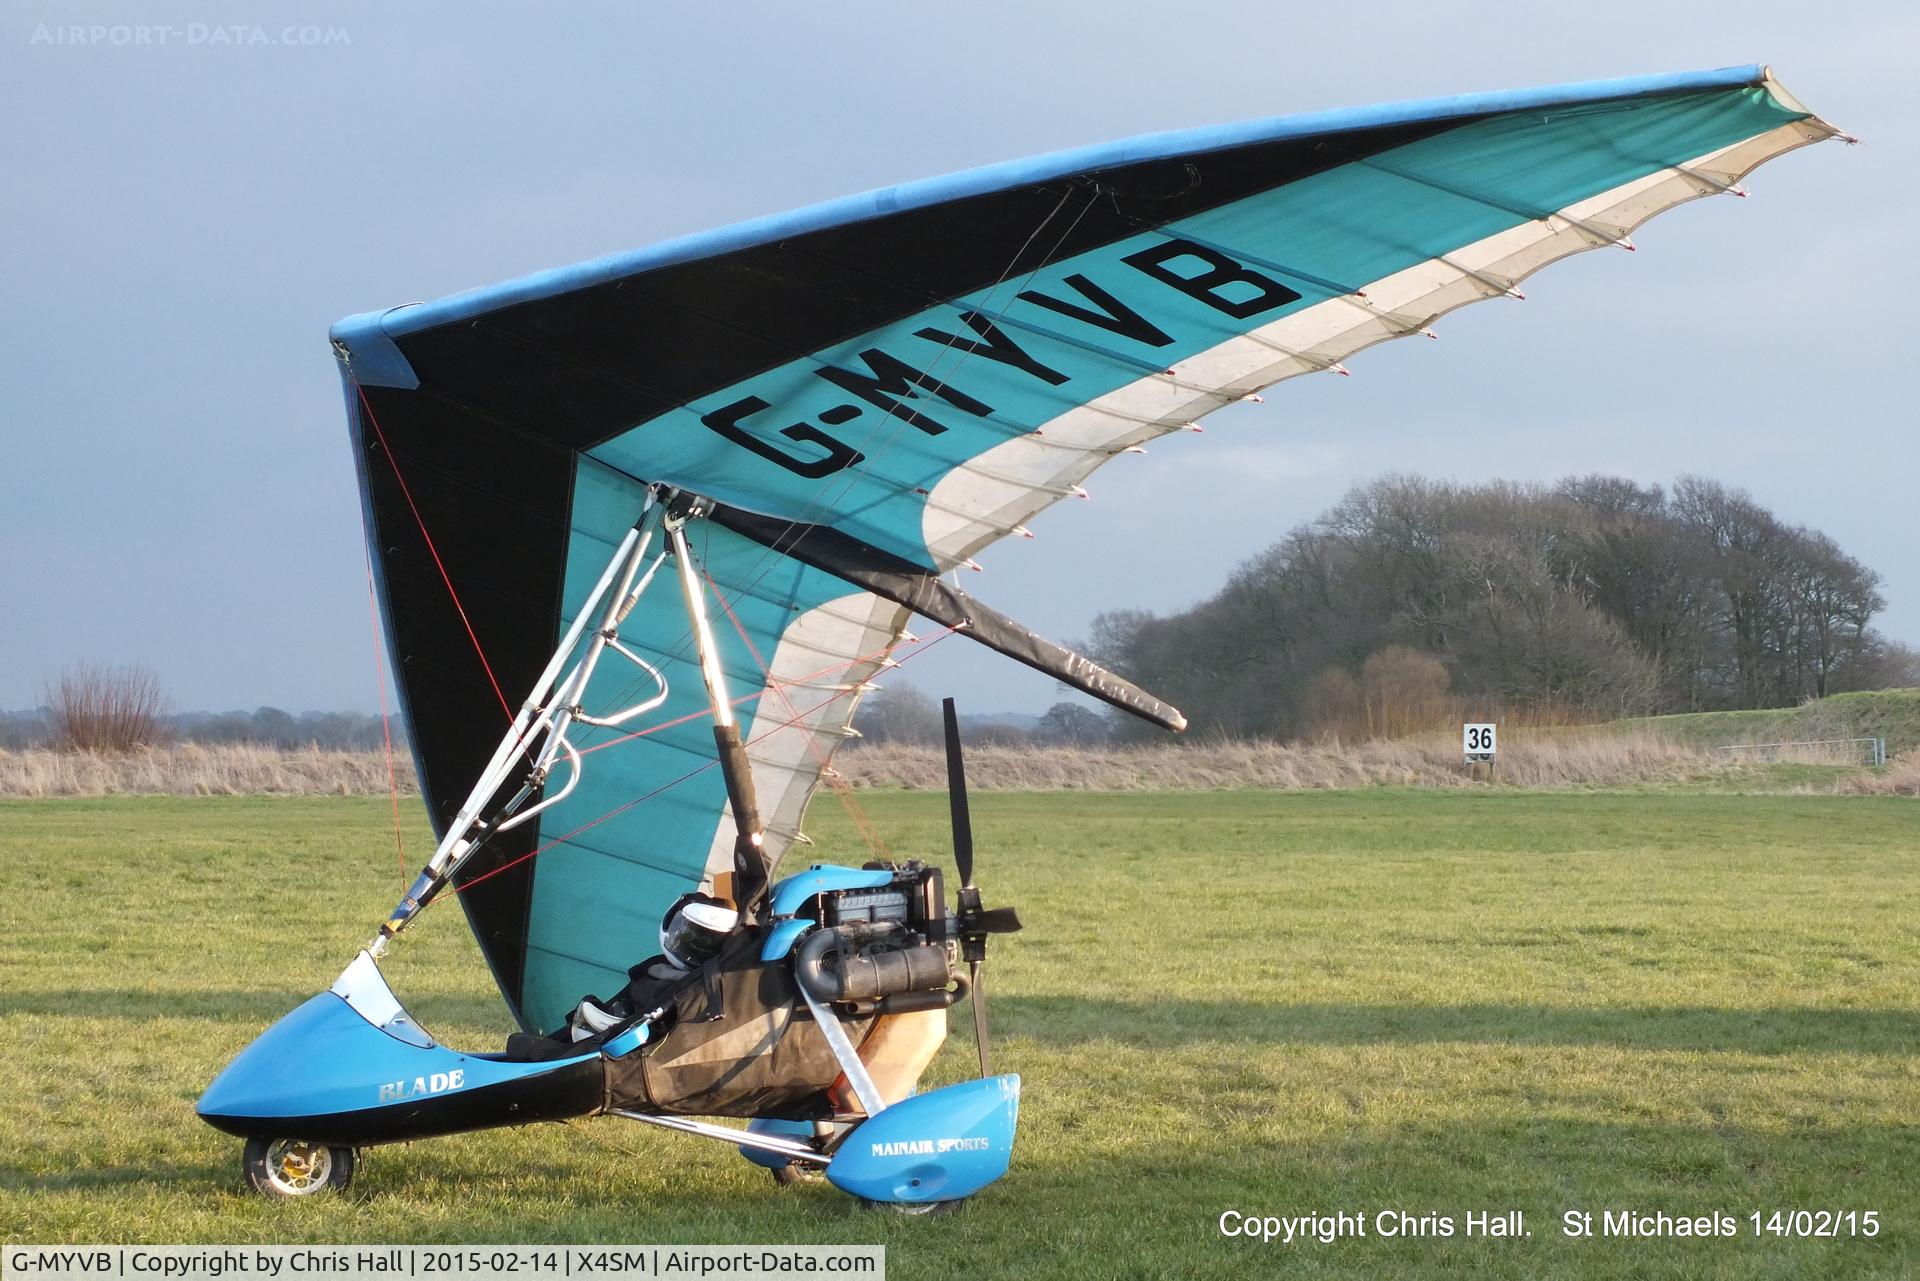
(751, 873)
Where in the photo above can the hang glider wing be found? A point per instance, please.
(874, 389)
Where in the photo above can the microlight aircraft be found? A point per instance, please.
(643, 530)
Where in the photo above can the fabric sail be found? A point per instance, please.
(904, 377)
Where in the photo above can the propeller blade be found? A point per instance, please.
(980, 1018)
(957, 799)
(995, 920)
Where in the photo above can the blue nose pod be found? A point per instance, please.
(939, 1146)
(325, 1074)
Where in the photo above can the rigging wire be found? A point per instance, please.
(857, 816)
(744, 699)
(961, 355)
(886, 422)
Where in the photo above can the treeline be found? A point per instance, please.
(900, 713)
(1413, 601)
(56, 726)
(1407, 606)
(270, 726)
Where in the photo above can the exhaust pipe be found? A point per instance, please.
(868, 978)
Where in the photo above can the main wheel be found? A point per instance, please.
(915, 1209)
(288, 1168)
(793, 1172)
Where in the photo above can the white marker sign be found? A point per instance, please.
(1477, 742)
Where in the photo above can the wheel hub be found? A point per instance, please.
(299, 1167)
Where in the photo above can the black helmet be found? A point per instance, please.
(695, 928)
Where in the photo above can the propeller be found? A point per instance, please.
(973, 922)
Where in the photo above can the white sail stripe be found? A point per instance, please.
(971, 507)
(825, 651)
(823, 686)
(1059, 491)
(786, 761)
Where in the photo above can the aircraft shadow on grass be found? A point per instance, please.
(1172, 1023)
(139, 1177)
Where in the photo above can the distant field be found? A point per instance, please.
(1610, 756)
(1276, 1003)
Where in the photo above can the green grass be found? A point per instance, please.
(1892, 714)
(1276, 1003)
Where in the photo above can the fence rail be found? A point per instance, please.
(1875, 753)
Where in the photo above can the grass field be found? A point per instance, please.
(1276, 1003)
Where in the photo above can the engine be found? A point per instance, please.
(885, 949)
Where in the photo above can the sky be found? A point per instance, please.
(187, 211)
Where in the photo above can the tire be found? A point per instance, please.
(288, 1169)
(914, 1209)
(789, 1174)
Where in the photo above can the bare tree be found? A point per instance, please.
(1592, 598)
(995, 734)
(1746, 544)
(1071, 725)
(1882, 664)
(1404, 691)
(98, 708)
(1640, 566)
(1399, 691)
(1333, 706)
(899, 713)
(1834, 598)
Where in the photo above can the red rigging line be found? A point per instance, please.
(762, 693)
(673, 783)
(433, 551)
(868, 832)
(567, 836)
(651, 730)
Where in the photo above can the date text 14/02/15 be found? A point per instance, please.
(1778, 1223)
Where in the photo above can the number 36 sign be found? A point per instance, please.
(1477, 742)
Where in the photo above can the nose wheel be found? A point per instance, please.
(290, 1168)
